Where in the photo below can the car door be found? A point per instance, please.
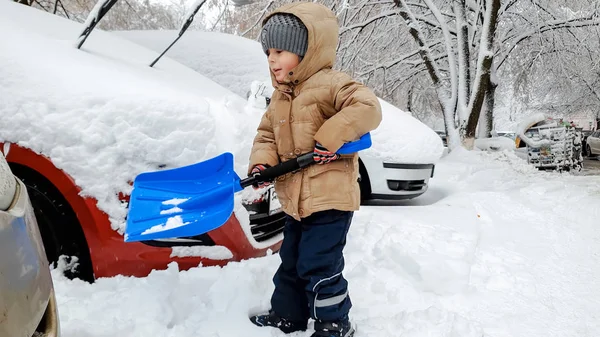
(594, 141)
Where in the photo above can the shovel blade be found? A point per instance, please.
(180, 202)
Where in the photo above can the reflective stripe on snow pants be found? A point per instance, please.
(309, 281)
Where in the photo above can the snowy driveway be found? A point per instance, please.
(504, 250)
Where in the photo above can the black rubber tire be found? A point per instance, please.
(364, 183)
(60, 229)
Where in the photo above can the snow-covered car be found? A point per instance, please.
(404, 152)
(27, 301)
(508, 134)
(80, 124)
(549, 143)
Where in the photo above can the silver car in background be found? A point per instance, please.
(27, 301)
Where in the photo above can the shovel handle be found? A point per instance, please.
(269, 174)
(303, 161)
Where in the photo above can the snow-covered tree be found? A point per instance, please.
(439, 59)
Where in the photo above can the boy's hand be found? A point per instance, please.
(256, 170)
(322, 156)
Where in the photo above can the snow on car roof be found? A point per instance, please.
(235, 61)
(401, 138)
(101, 113)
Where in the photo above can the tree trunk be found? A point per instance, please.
(490, 100)
(484, 69)
(448, 105)
(409, 100)
(464, 58)
(486, 121)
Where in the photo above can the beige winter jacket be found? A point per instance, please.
(315, 103)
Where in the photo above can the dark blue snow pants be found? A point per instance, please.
(309, 281)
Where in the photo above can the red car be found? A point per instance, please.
(70, 220)
(73, 225)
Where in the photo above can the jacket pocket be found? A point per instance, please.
(331, 183)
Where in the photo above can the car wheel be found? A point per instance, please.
(363, 182)
(60, 229)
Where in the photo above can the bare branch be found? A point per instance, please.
(434, 24)
(370, 20)
(449, 51)
(420, 5)
(506, 6)
(417, 34)
(547, 26)
(260, 16)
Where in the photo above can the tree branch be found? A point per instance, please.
(417, 34)
(370, 20)
(449, 50)
(260, 16)
(548, 26)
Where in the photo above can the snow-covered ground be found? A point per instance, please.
(494, 248)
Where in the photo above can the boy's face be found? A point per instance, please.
(281, 62)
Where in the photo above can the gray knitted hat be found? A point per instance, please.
(286, 32)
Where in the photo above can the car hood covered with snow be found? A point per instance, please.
(230, 60)
(101, 113)
(235, 62)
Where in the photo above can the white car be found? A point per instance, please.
(404, 152)
(593, 144)
(383, 174)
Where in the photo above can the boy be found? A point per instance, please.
(313, 109)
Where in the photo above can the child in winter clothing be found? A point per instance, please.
(313, 108)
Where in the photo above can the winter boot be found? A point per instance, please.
(341, 328)
(274, 320)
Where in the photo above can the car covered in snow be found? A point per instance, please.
(81, 124)
(549, 143)
(404, 152)
(27, 301)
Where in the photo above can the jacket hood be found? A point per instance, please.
(323, 31)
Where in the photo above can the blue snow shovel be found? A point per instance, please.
(198, 198)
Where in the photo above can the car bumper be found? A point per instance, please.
(395, 181)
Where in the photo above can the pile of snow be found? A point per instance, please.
(495, 144)
(505, 250)
(232, 61)
(101, 114)
(236, 62)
